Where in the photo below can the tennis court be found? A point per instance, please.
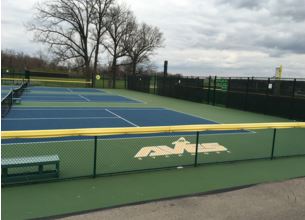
(30, 118)
(45, 108)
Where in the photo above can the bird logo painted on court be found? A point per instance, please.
(180, 147)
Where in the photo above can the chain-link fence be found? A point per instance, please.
(59, 158)
(284, 98)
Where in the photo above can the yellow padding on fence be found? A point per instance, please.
(146, 130)
(51, 80)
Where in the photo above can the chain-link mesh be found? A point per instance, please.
(143, 153)
(139, 83)
(28, 160)
(75, 157)
(278, 97)
(290, 142)
(234, 146)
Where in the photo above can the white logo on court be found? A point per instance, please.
(180, 146)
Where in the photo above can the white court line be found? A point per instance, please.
(47, 95)
(124, 119)
(17, 119)
(70, 90)
(88, 100)
(131, 98)
(126, 109)
(141, 109)
(196, 116)
(83, 108)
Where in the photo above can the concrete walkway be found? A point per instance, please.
(280, 201)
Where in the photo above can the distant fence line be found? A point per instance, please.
(284, 98)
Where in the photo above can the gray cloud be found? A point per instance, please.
(203, 37)
(250, 4)
(293, 43)
(294, 9)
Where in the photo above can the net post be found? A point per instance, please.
(273, 144)
(196, 153)
(94, 156)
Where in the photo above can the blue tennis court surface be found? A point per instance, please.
(71, 118)
(32, 97)
(57, 89)
(68, 118)
(54, 94)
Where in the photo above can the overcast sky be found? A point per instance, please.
(237, 37)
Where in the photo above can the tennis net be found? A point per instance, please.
(7, 101)
(17, 93)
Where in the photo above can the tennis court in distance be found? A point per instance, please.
(128, 153)
(49, 94)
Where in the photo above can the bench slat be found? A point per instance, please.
(29, 160)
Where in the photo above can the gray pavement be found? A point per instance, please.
(280, 201)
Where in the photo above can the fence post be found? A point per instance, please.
(273, 144)
(228, 92)
(125, 80)
(155, 79)
(209, 91)
(266, 104)
(103, 80)
(94, 156)
(247, 93)
(292, 113)
(214, 91)
(197, 145)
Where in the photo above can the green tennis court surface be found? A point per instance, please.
(119, 155)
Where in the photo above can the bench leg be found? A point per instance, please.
(4, 172)
(57, 168)
(40, 169)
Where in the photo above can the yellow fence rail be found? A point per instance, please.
(147, 130)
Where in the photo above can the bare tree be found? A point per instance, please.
(142, 43)
(99, 29)
(64, 25)
(118, 26)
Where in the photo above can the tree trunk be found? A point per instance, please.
(95, 65)
(113, 72)
(134, 68)
(87, 70)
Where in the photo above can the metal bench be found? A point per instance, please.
(39, 161)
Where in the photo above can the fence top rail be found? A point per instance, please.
(146, 130)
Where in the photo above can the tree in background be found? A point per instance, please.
(76, 30)
(142, 43)
(65, 26)
(118, 23)
(99, 29)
